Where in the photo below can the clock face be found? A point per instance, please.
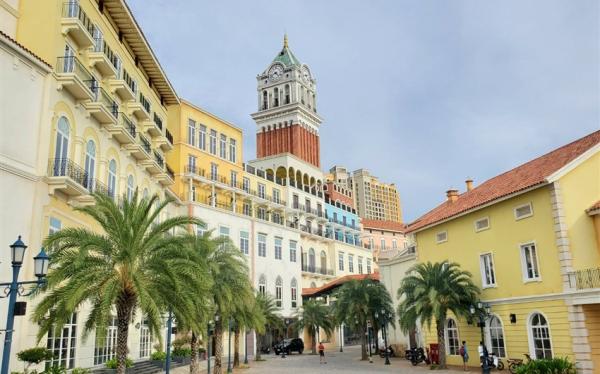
(275, 73)
(305, 74)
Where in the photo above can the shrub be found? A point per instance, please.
(158, 356)
(35, 355)
(112, 363)
(557, 365)
(81, 371)
(55, 370)
(182, 352)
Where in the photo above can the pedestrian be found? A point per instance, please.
(322, 353)
(482, 350)
(464, 352)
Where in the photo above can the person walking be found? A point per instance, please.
(322, 353)
(464, 352)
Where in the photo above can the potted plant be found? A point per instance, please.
(158, 359)
(111, 365)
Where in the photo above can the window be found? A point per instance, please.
(441, 237)
(265, 103)
(130, 187)
(90, 166)
(312, 261)
(145, 339)
(61, 153)
(105, 346)
(112, 178)
(351, 263)
(223, 146)
(261, 213)
(360, 265)
(529, 262)
(496, 337)
(247, 209)
(63, 344)
(262, 245)
(276, 195)
(55, 225)
(488, 273)
(287, 94)
(368, 266)
(201, 229)
(145, 193)
(233, 178)
(482, 224)
(213, 142)
(193, 193)
(244, 242)
(214, 171)
(191, 132)
(276, 97)
(452, 344)
(293, 249)
(523, 211)
(341, 261)
(278, 292)
(382, 243)
(262, 285)
(323, 262)
(261, 190)
(224, 231)
(232, 150)
(540, 342)
(278, 244)
(394, 244)
(191, 164)
(202, 137)
(294, 292)
(246, 184)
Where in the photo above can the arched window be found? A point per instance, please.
(145, 194)
(276, 97)
(496, 337)
(90, 165)
(313, 285)
(265, 104)
(287, 94)
(294, 292)
(130, 187)
(112, 178)
(540, 342)
(323, 262)
(452, 342)
(278, 291)
(61, 153)
(262, 285)
(311, 260)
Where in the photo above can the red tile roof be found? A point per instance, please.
(383, 225)
(531, 174)
(27, 50)
(338, 282)
(594, 209)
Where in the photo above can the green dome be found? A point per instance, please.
(286, 57)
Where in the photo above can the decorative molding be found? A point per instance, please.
(561, 234)
(19, 171)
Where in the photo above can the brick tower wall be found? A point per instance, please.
(291, 139)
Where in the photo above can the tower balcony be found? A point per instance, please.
(75, 78)
(76, 23)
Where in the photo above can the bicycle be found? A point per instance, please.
(514, 363)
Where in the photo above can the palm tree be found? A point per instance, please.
(231, 287)
(381, 308)
(269, 312)
(429, 291)
(352, 308)
(314, 315)
(246, 316)
(132, 263)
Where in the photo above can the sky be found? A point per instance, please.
(422, 93)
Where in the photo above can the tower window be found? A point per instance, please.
(265, 104)
(276, 97)
(287, 94)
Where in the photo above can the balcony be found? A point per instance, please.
(157, 164)
(103, 107)
(190, 169)
(124, 86)
(71, 179)
(170, 173)
(140, 108)
(104, 59)
(124, 131)
(155, 127)
(76, 23)
(585, 279)
(316, 270)
(74, 77)
(165, 142)
(141, 149)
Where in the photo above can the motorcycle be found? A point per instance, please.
(390, 351)
(495, 362)
(416, 356)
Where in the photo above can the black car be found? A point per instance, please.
(289, 346)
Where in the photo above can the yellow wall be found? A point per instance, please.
(580, 190)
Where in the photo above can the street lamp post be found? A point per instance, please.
(246, 347)
(15, 288)
(385, 322)
(483, 312)
(286, 322)
(229, 368)
(368, 333)
(341, 337)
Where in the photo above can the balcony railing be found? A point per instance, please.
(145, 144)
(107, 101)
(71, 65)
(145, 103)
(159, 159)
(129, 81)
(585, 279)
(194, 170)
(157, 121)
(169, 136)
(316, 269)
(170, 172)
(72, 9)
(63, 167)
(129, 126)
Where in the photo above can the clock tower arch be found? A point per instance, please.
(287, 119)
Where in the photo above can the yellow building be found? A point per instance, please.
(529, 239)
(95, 122)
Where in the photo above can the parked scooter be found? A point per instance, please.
(417, 355)
(495, 362)
(390, 351)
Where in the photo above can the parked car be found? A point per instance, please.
(289, 346)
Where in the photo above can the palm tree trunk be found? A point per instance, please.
(376, 339)
(218, 347)
(124, 309)
(258, 347)
(363, 346)
(194, 364)
(313, 340)
(236, 348)
(441, 343)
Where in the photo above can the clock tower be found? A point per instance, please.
(287, 119)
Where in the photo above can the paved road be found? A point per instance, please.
(347, 362)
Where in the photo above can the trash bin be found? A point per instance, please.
(434, 353)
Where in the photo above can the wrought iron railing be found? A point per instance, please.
(130, 82)
(127, 124)
(585, 279)
(170, 172)
(107, 101)
(72, 9)
(158, 121)
(316, 269)
(63, 167)
(71, 65)
(145, 103)
(169, 136)
(159, 159)
(145, 144)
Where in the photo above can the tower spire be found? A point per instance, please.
(285, 40)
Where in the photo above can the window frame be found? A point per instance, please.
(191, 136)
(531, 338)
(488, 335)
(451, 350)
(530, 205)
(487, 219)
(244, 242)
(482, 265)
(293, 251)
(437, 237)
(278, 249)
(524, 271)
(261, 244)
